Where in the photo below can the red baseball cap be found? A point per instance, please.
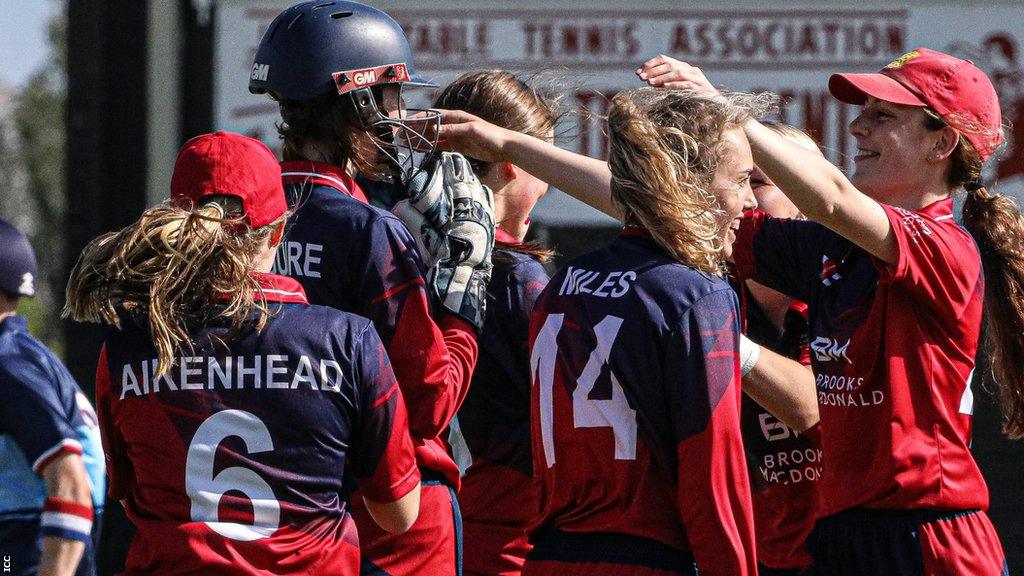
(961, 94)
(229, 164)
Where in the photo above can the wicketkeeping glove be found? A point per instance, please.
(428, 211)
(452, 216)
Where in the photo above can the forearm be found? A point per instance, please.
(60, 557)
(67, 515)
(434, 365)
(584, 178)
(785, 388)
(813, 183)
(822, 192)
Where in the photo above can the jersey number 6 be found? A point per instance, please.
(614, 413)
(205, 490)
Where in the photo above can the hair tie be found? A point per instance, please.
(973, 186)
(220, 209)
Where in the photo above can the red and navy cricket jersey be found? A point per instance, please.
(636, 403)
(784, 465)
(355, 257)
(498, 498)
(893, 353)
(233, 462)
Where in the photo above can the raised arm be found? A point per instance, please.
(818, 188)
(584, 178)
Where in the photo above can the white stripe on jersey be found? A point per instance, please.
(324, 176)
(65, 443)
(281, 292)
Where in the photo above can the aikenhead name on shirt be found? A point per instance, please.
(265, 372)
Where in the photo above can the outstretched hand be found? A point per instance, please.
(471, 136)
(667, 72)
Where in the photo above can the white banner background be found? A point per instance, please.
(594, 52)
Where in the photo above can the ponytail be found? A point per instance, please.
(996, 223)
(997, 226)
(174, 268)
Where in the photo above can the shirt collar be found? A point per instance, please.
(939, 211)
(636, 231)
(501, 235)
(321, 174)
(14, 323)
(279, 288)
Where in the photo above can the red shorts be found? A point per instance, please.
(431, 547)
(492, 550)
(906, 543)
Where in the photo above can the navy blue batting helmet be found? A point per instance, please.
(316, 48)
(17, 262)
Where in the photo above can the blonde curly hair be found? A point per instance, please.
(664, 147)
(176, 267)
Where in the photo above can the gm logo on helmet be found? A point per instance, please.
(827, 349)
(259, 71)
(364, 77)
(348, 80)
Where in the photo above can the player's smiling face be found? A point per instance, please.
(892, 149)
(731, 185)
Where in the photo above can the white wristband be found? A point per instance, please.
(749, 353)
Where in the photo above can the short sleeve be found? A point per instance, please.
(713, 487)
(938, 261)
(529, 280)
(115, 450)
(391, 271)
(780, 253)
(34, 413)
(382, 457)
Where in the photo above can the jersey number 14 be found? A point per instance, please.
(614, 412)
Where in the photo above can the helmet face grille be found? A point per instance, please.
(414, 141)
(405, 143)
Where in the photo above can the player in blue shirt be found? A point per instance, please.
(51, 465)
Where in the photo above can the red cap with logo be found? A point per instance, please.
(961, 94)
(229, 164)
